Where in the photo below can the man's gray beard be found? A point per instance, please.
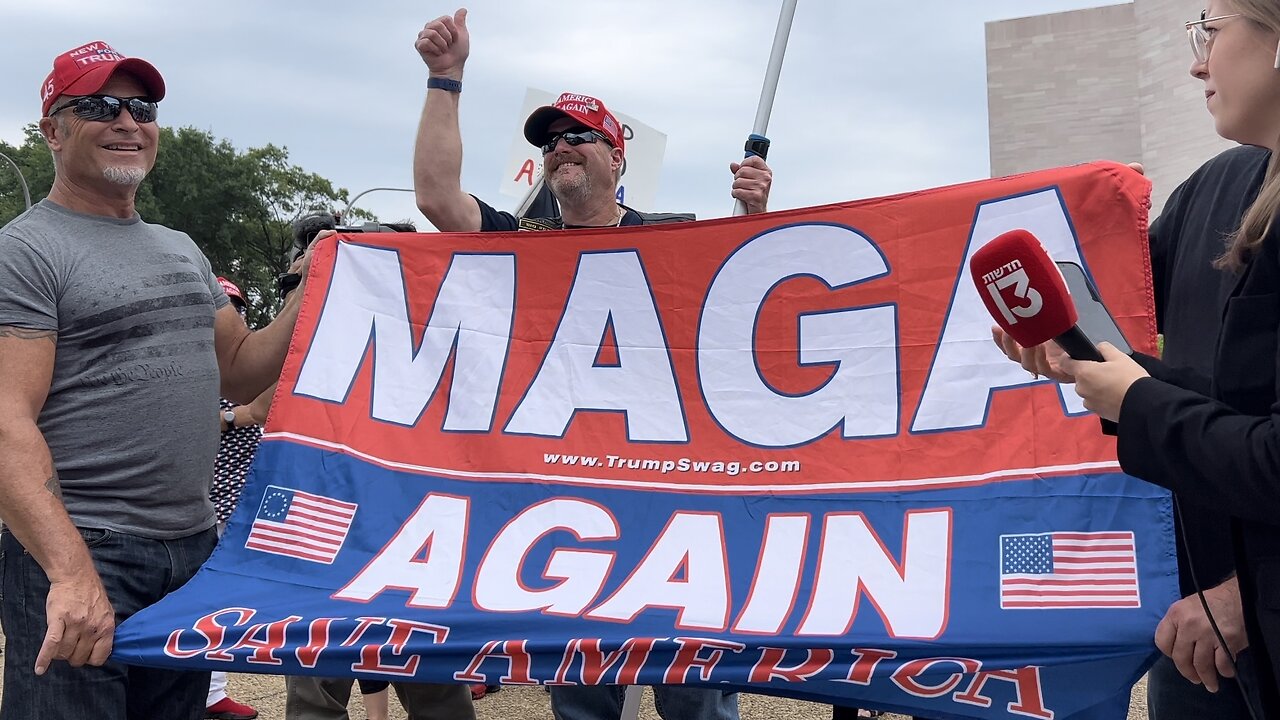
(124, 175)
(571, 192)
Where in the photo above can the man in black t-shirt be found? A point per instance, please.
(1190, 296)
(583, 150)
(582, 145)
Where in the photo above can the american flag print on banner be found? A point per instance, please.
(1068, 570)
(300, 525)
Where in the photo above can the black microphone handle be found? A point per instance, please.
(1078, 345)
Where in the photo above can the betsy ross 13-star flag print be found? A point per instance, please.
(775, 453)
(300, 525)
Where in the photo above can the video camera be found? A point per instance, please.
(305, 230)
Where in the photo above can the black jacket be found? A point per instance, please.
(1217, 440)
(1190, 296)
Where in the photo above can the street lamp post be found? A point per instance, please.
(366, 192)
(26, 194)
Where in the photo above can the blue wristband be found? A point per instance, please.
(439, 83)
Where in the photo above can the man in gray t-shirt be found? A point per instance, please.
(133, 310)
(115, 342)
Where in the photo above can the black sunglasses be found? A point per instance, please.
(102, 108)
(574, 137)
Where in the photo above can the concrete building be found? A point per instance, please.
(1104, 83)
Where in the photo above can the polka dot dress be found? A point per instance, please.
(235, 453)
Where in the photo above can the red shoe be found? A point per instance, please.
(477, 691)
(228, 709)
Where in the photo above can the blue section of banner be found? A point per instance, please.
(1087, 658)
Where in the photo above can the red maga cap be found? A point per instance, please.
(1022, 288)
(84, 70)
(231, 289)
(581, 108)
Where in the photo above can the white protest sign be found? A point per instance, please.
(645, 147)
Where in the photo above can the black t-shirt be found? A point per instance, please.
(492, 220)
(1190, 297)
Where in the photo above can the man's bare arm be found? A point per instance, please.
(54, 487)
(260, 408)
(80, 618)
(8, 331)
(250, 361)
(444, 45)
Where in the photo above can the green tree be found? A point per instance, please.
(237, 206)
(37, 167)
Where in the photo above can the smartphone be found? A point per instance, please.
(1095, 320)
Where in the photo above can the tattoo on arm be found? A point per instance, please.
(53, 486)
(26, 334)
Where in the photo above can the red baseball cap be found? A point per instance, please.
(581, 108)
(84, 70)
(232, 290)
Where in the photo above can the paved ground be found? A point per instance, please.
(266, 692)
(522, 703)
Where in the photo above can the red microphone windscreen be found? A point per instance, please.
(1022, 288)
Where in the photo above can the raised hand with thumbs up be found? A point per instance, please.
(444, 45)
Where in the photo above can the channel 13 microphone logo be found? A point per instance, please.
(1010, 281)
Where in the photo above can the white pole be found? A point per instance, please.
(359, 195)
(523, 207)
(26, 194)
(770, 87)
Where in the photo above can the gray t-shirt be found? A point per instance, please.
(130, 415)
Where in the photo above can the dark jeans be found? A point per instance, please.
(313, 698)
(1173, 697)
(673, 702)
(136, 572)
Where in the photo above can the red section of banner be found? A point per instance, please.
(924, 239)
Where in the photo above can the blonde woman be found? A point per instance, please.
(1216, 440)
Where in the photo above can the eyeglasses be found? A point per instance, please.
(1201, 37)
(104, 108)
(574, 138)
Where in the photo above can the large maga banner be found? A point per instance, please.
(775, 453)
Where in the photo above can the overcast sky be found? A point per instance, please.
(874, 99)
